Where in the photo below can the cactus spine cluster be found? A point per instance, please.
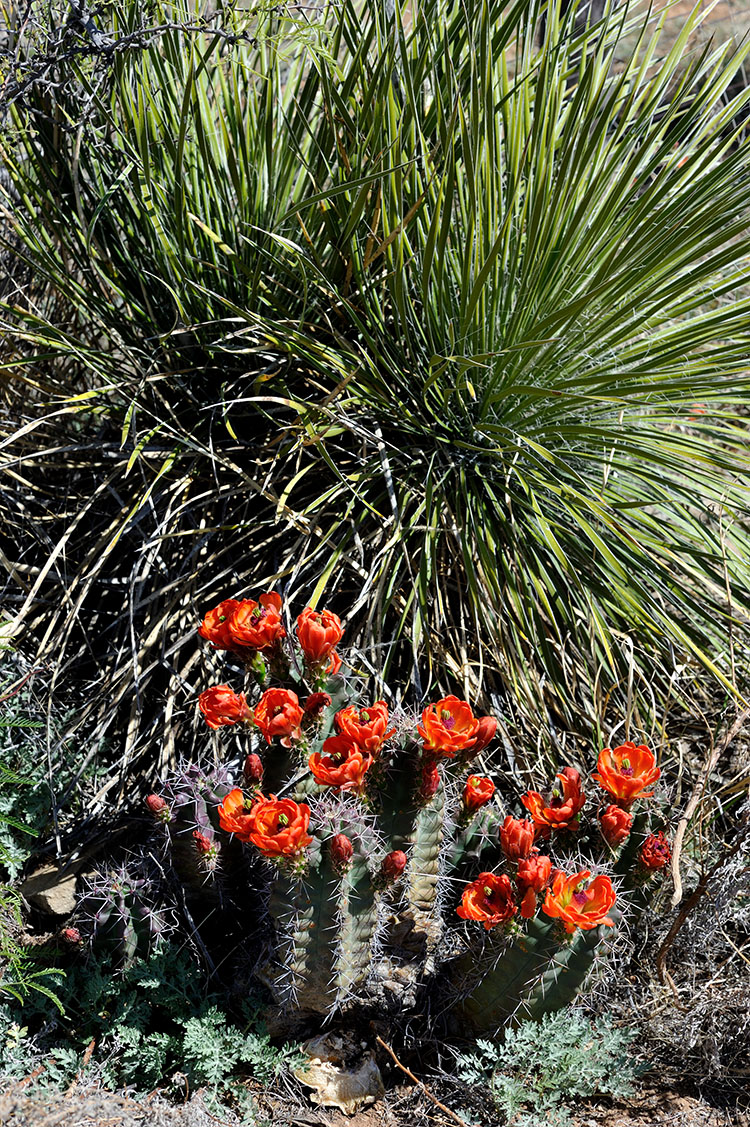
(369, 845)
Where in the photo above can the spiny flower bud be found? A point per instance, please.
(342, 850)
(158, 807)
(252, 772)
(430, 781)
(655, 852)
(393, 866)
(203, 844)
(71, 935)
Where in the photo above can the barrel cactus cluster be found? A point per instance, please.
(372, 862)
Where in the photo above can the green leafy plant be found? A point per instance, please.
(437, 311)
(541, 1071)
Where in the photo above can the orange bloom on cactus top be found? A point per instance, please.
(277, 827)
(257, 625)
(278, 713)
(626, 771)
(477, 792)
(533, 876)
(318, 632)
(488, 899)
(578, 904)
(447, 727)
(221, 706)
(215, 626)
(341, 764)
(234, 814)
(561, 811)
(367, 727)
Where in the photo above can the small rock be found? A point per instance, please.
(51, 890)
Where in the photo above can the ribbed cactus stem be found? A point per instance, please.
(306, 910)
(497, 993)
(358, 922)
(423, 873)
(565, 975)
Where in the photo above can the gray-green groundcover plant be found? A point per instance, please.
(439, 307)
(540, 1071)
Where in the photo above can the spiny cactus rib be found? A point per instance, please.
(426, 840)
(567, 971)
(305, 910)
(497, 993)
(358, 924)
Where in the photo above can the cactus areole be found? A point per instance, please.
(383, 864)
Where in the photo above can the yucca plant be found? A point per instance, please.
(439, 308)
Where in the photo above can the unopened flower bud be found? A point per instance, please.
(615, 824)
(430, 781)
(315, 703)
(252, 772)
(203, 844)
(393, 866)
(484, 736)
(516, 838)
(158, 807)
(655, 852)
(71, 935)
(342, 850)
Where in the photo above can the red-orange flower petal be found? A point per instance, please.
(367, 727)
(447, 726)
(578, 904)
(625, 772)
(341, 764)
(318, 632)
(257, 625)
(215, 626)
(488, 899)
(278, 713)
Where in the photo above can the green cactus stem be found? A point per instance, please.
(564, 977)
(358, 924)
(305, 910)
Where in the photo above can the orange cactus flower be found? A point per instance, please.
(278, 713)
(317, 633)
(516, 838)
(366, 727)
(615, 824)
(447, 727)
(534, 873)
(234, 814)
(655, 852)
(257, 625)
(341, 764)
(578, 904)
(485, 734)
(477, 792)
(489, 899)
(625, 772)
(278, 828)
(560, 813)
(215, 626)
(221, 706)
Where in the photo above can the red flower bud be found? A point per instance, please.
(71, 935)
(158, 807)
(203, 844)
(615, 824)
(516, 838)
(477, 792)
(342, 850)
(315, 703)
(393, 866)
(430, 781)
(252, 772)
(655, 852)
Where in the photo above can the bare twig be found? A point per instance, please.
(713, 758)
(446, 1110)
